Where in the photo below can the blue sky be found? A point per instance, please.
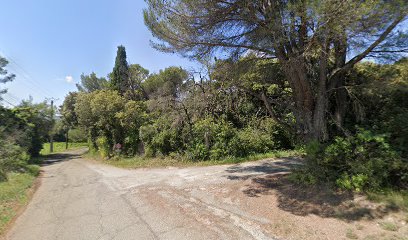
(49, 43)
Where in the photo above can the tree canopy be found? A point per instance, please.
(315, 42)
(120, 74)
(91, 82)
(4, 75)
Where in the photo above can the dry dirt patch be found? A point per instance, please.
(299, 212)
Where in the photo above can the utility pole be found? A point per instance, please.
(52, 123)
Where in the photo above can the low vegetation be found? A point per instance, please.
(61, 147)
(178, 161)
(14, 194)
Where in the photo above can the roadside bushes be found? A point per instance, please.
(103, 146)
(260, 136)
(77, 135)
(13, 158)
(210, 138)
(361, 162)
(160, 138)
(110, 119)
(22, 132)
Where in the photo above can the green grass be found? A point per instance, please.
(350, 234)
(144, 162)
(395, 199)
(60, 147)
(13, 194)
(389, 226)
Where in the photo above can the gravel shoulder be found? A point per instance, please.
(81, 199)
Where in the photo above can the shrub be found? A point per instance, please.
(198, 151)
(361, 162)
(211, 139)
(251, 141)
(12, 159)
(103, 146)
(77, 135)
(159, 139)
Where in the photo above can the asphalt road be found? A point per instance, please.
(81, 199)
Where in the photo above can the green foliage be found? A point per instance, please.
(361, 162)
(61, 147)
(22, 131)
(208, 139)
(120, 74)
(131, 118)
(212, 139)
(137, 75)
(13, 158)
(246, 107)
(379, 100)
(250, 141)
(90, 83)
(108, 114)
(166, 82)
(77, 135)
(355, 182)
(159, 138)
(67, 110)
(13, 193)
(103, 146)
(4, 75)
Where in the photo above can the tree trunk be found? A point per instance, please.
(340, 47)
(296, 73)
(319, 118)
(66, 139)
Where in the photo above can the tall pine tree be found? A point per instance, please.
(120, 73)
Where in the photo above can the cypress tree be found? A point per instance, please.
(120, 73)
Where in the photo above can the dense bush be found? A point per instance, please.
(260, 136)
(361, 162)
(250, 141)
(22, 133)
(77, 135)
(210, 138)
(160, 138)
(380, 101)
(103, 146)
(12, 158)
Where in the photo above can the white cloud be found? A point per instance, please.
(69, 79)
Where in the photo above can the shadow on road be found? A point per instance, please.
(61, 157)
(270, 178)
(243, 172)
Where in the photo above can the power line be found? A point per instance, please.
(16, 106)
(7, 102)
(29, 80)
(13, 97)
(10, 99)
(27, 76)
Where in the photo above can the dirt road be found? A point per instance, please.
(81, 199)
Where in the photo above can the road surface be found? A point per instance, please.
(81, 199)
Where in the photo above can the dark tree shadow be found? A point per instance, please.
(58, 158)
(270, 178)
(244, 172)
